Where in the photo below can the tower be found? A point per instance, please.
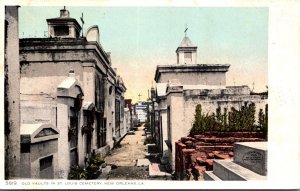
(186, 52)
(63, 26)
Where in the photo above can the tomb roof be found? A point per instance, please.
(186, 42)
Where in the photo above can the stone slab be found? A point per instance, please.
(252, 155)
(105, 173)
(143, 162)
(228, 170)
(210, 176)
(155, 170)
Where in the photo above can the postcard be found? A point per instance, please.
(132, 95)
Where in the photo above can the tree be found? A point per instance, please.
(198, 123)
(265, 126)
(261, 120)
(224, 120)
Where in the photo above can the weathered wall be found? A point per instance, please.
(110, 113)
(38, 151)
(162, 107)
(195, 78)
(176, 104)
(38, 111)
(12, 93)
(182, 110)
(63, 149)
(163, 115)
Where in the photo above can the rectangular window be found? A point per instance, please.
(46, 162)
(25, 148)
(61, 30)
(188, 55)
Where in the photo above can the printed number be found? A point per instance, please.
(10, 182)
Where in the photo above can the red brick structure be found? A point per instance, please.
(194, 155)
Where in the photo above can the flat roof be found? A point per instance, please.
(186, 68)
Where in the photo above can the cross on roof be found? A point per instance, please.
(139, 96)
(185, 31)
(82, 21)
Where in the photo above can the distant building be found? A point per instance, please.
(128, 104)
(141, 108)
(67, 82)
(181, 87)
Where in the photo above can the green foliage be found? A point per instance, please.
(96, 160)
(203, 122)
(234, 120)
(76, 173)
(261, 119)
(148, 123)
(94, 163)
(265, 124)
(149, 140)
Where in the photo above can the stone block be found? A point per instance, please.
(157, 170)
(186, 151)
(228, 170)
(105, 173)
(210, 176)
(252, 155)
(143, 162)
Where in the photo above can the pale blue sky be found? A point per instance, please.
(139, 38)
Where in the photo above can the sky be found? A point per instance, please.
(140, 38)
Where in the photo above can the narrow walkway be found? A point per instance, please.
(130, 150)
(125, 158)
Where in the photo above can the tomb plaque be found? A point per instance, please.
(252, 158)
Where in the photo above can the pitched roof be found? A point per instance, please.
(186, 42)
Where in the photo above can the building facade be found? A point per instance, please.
(181, 87)
(67, 81)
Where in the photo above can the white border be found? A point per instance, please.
(284, 104)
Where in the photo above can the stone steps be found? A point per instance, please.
(228, 170)
(157, 170)
(252, 155)
(249, 163)
(209, 175)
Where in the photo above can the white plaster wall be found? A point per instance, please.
(164, 124)
(110, 114)
(88, 84)
(176, 103)
(195, 78)
(38, 111)
(63, 149)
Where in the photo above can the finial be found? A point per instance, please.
(185, 31)
(82, 21)
(64, 7)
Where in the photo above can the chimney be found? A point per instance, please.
(71, 73)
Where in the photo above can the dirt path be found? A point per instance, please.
(125, 157)
(131, 149)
